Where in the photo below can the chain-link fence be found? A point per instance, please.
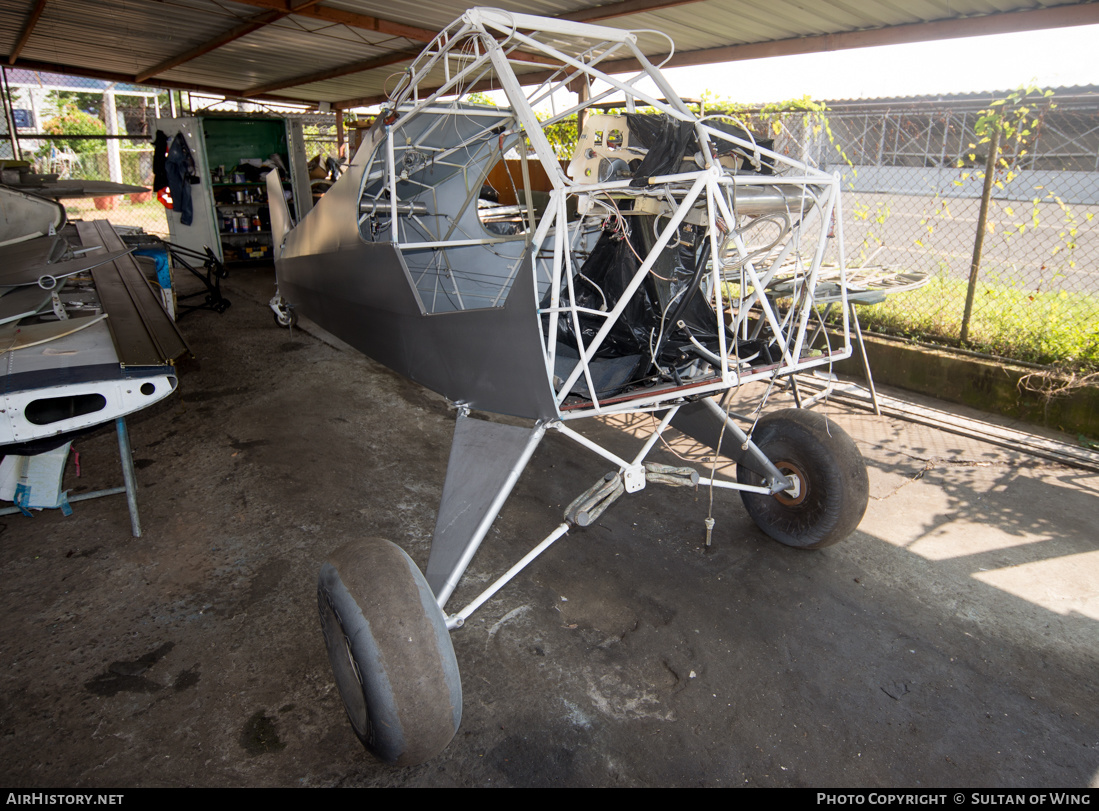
(89, 129)
(914, 172)
(320, 138)
(1014, 267)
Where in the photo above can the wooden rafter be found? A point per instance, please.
(622, 9)
(999, 23)
(28, 29)
(334, 73)
(349, 18)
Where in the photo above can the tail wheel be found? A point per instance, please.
(286, 318)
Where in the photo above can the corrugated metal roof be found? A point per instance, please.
(336, 50)
(1073, 96)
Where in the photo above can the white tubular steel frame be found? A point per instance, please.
(537, 63)
(488, 49)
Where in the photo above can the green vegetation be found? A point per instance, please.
(1035, 327)
(73, 121)
(1010, 318)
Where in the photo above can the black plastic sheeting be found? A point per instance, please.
(669, 141)
(648, 328)
(668, 309)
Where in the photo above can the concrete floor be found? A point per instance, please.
(950, 642)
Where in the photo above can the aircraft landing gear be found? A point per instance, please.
(390, 652)
(284, 313)
(830, 485)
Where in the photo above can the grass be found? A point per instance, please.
(1011, 323)
(1035, 327)
(149, 216)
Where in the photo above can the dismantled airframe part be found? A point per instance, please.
(30, 271)
(458, 251)
(628, 302)
(24, 217)
(281, 222)
(486, 459)
(45, 408)
(586, 508)
(670, 475)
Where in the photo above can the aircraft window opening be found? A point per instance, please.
(55, 409)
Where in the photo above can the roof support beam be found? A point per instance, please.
(1001, 23)
(622, 9)
(234, 33)
(348, 18)
(28, 29)
(417, 34)
(111, 76)
(334, 73)
(369, 64)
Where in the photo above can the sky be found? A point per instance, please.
(1051, 58)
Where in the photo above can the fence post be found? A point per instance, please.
(979, 240)
(9, 116)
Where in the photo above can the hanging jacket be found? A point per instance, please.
(180, 167)
(160, 158)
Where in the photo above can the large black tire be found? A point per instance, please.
(833, 488)
(390, 652)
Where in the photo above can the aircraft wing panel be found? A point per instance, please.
(71, 382)
(23, 301)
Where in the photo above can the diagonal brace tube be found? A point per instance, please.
(779, 482)
(442, 594)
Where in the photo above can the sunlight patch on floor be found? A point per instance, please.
(1063, 585)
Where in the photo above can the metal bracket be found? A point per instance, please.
(633, 478)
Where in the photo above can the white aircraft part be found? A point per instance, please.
(40, 476)
(280, 213)
(119, 398)
(101, 400)
(24, 216)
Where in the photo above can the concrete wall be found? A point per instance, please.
(981, 384)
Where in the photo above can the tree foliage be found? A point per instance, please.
(71, 120)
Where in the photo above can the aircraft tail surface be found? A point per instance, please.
(280, 213)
